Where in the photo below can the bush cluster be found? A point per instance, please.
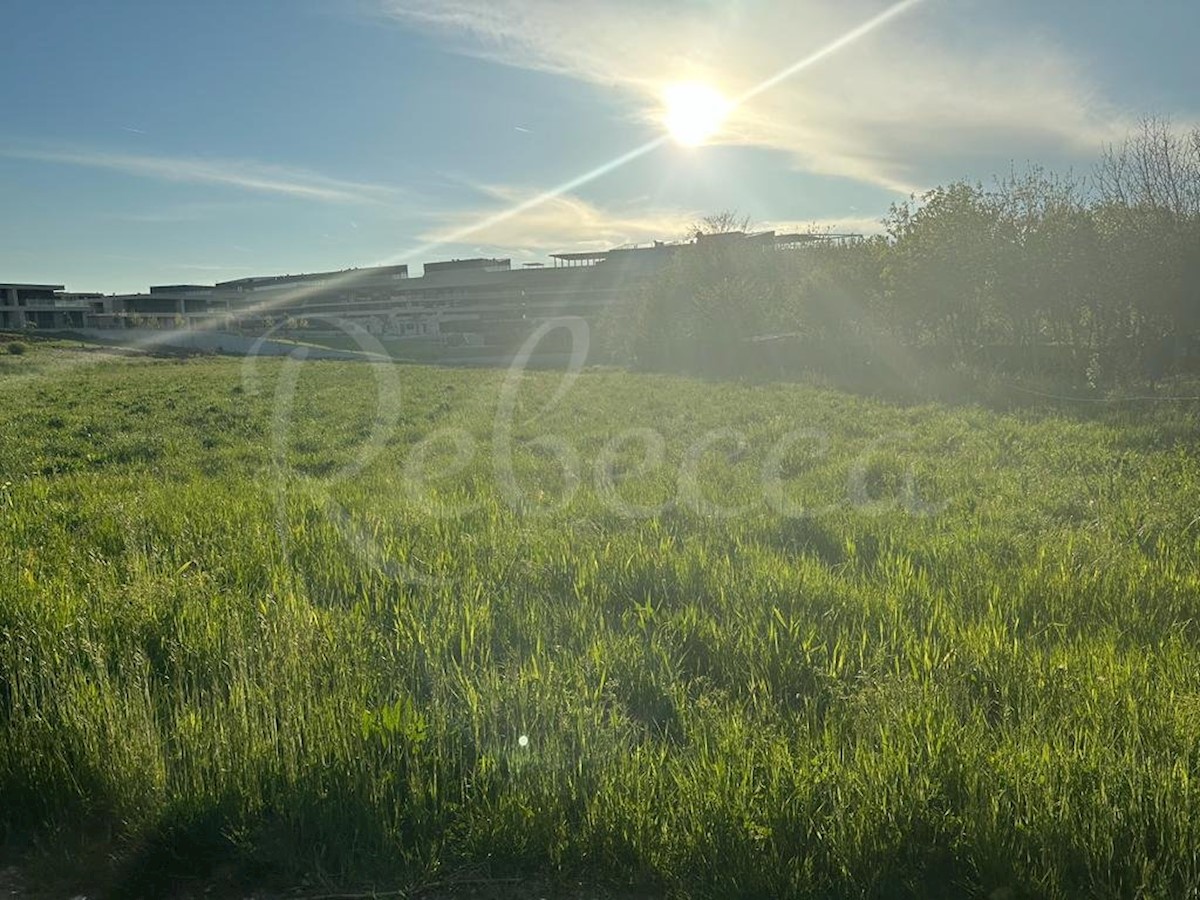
(1094, 279)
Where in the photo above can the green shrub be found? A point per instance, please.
(17, 348)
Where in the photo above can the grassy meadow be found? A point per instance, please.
(340, 624)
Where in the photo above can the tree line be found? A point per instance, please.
(1092, 278)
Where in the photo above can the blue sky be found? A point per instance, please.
(150, 142)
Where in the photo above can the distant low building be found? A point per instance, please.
(46, 306)
(469, 302)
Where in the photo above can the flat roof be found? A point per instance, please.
(582, 254)
(32, 287)
(180, 288)
(477, 262)
(253, 280)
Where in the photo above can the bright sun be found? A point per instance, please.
(694, 112)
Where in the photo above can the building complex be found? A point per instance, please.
(472, 302)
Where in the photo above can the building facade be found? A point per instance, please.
(461, 302)
(46, 306)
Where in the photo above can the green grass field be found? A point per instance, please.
(270, 621)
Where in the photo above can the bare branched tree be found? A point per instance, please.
(1157, 167)
(725, 222)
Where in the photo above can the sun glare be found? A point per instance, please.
(694, 112)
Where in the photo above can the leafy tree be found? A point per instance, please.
(1039, 272)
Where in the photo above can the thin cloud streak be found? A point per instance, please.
(245, 175)
(568, 222)
(565, 222)
(477, 226)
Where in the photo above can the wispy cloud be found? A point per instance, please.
(245, 175)
(930, 91)
(565, 222)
